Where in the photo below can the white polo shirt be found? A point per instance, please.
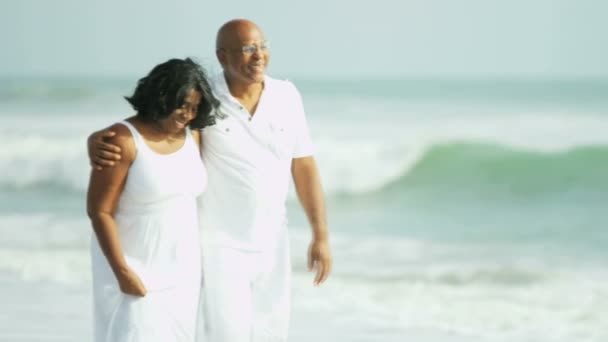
(248, 159)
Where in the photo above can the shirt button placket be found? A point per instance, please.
(242, 109)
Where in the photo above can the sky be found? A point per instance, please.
(320, 39)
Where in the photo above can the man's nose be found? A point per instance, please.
(258, 53)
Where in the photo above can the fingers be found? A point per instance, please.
(322, 265)
(139, 289)
(137, 292)
(131, 284)
(134, 290)
(101, 153)
(319, 260)
(99, 164)
(95, 166)
(139, 286)
(323, 269)
(320, 273)
(107, 134)
(327, 270)
(111, 149)
(310, 261)
(105, 156)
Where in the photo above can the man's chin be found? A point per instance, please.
(257, 78)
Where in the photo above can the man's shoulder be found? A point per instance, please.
(278, 82)
(280, 85)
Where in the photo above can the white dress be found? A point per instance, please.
(157, 223)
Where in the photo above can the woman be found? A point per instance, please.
(146, 258)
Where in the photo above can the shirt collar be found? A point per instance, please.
(220, 87)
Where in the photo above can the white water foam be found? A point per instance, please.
(348, 164)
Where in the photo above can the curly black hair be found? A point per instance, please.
(164, 89)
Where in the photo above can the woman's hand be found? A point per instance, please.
(130, 283)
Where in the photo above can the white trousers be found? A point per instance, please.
(245, 295)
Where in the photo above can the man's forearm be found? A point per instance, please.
(310, 194)
(314, 206)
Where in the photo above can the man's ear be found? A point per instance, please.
(221, 56)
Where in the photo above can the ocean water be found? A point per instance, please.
(459, 211)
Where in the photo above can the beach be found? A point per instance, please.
(458, 210)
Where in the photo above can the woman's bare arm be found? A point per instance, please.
(105, 187)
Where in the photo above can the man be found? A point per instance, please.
(260, 136)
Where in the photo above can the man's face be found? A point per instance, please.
(244, 57)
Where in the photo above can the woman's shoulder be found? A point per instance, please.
(122, 133)
(123, 138)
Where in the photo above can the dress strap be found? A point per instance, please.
(137, 139)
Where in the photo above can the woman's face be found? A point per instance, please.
(180, 117)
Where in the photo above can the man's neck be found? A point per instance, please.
(245, 91)
(247, 94)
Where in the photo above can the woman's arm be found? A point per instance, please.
(105, 187)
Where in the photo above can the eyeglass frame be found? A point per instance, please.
(250, 49)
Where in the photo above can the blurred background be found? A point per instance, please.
(463, 148)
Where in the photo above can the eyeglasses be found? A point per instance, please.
(250, 49)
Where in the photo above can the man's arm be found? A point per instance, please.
(308, 188)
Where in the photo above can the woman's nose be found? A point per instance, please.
(190, 113)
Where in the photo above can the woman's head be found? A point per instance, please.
(173, 87)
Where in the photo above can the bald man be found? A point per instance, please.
(259, 139)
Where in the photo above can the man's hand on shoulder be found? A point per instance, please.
(102, 154)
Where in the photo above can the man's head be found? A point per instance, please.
(242, 51)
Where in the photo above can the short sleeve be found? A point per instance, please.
(303, 142)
